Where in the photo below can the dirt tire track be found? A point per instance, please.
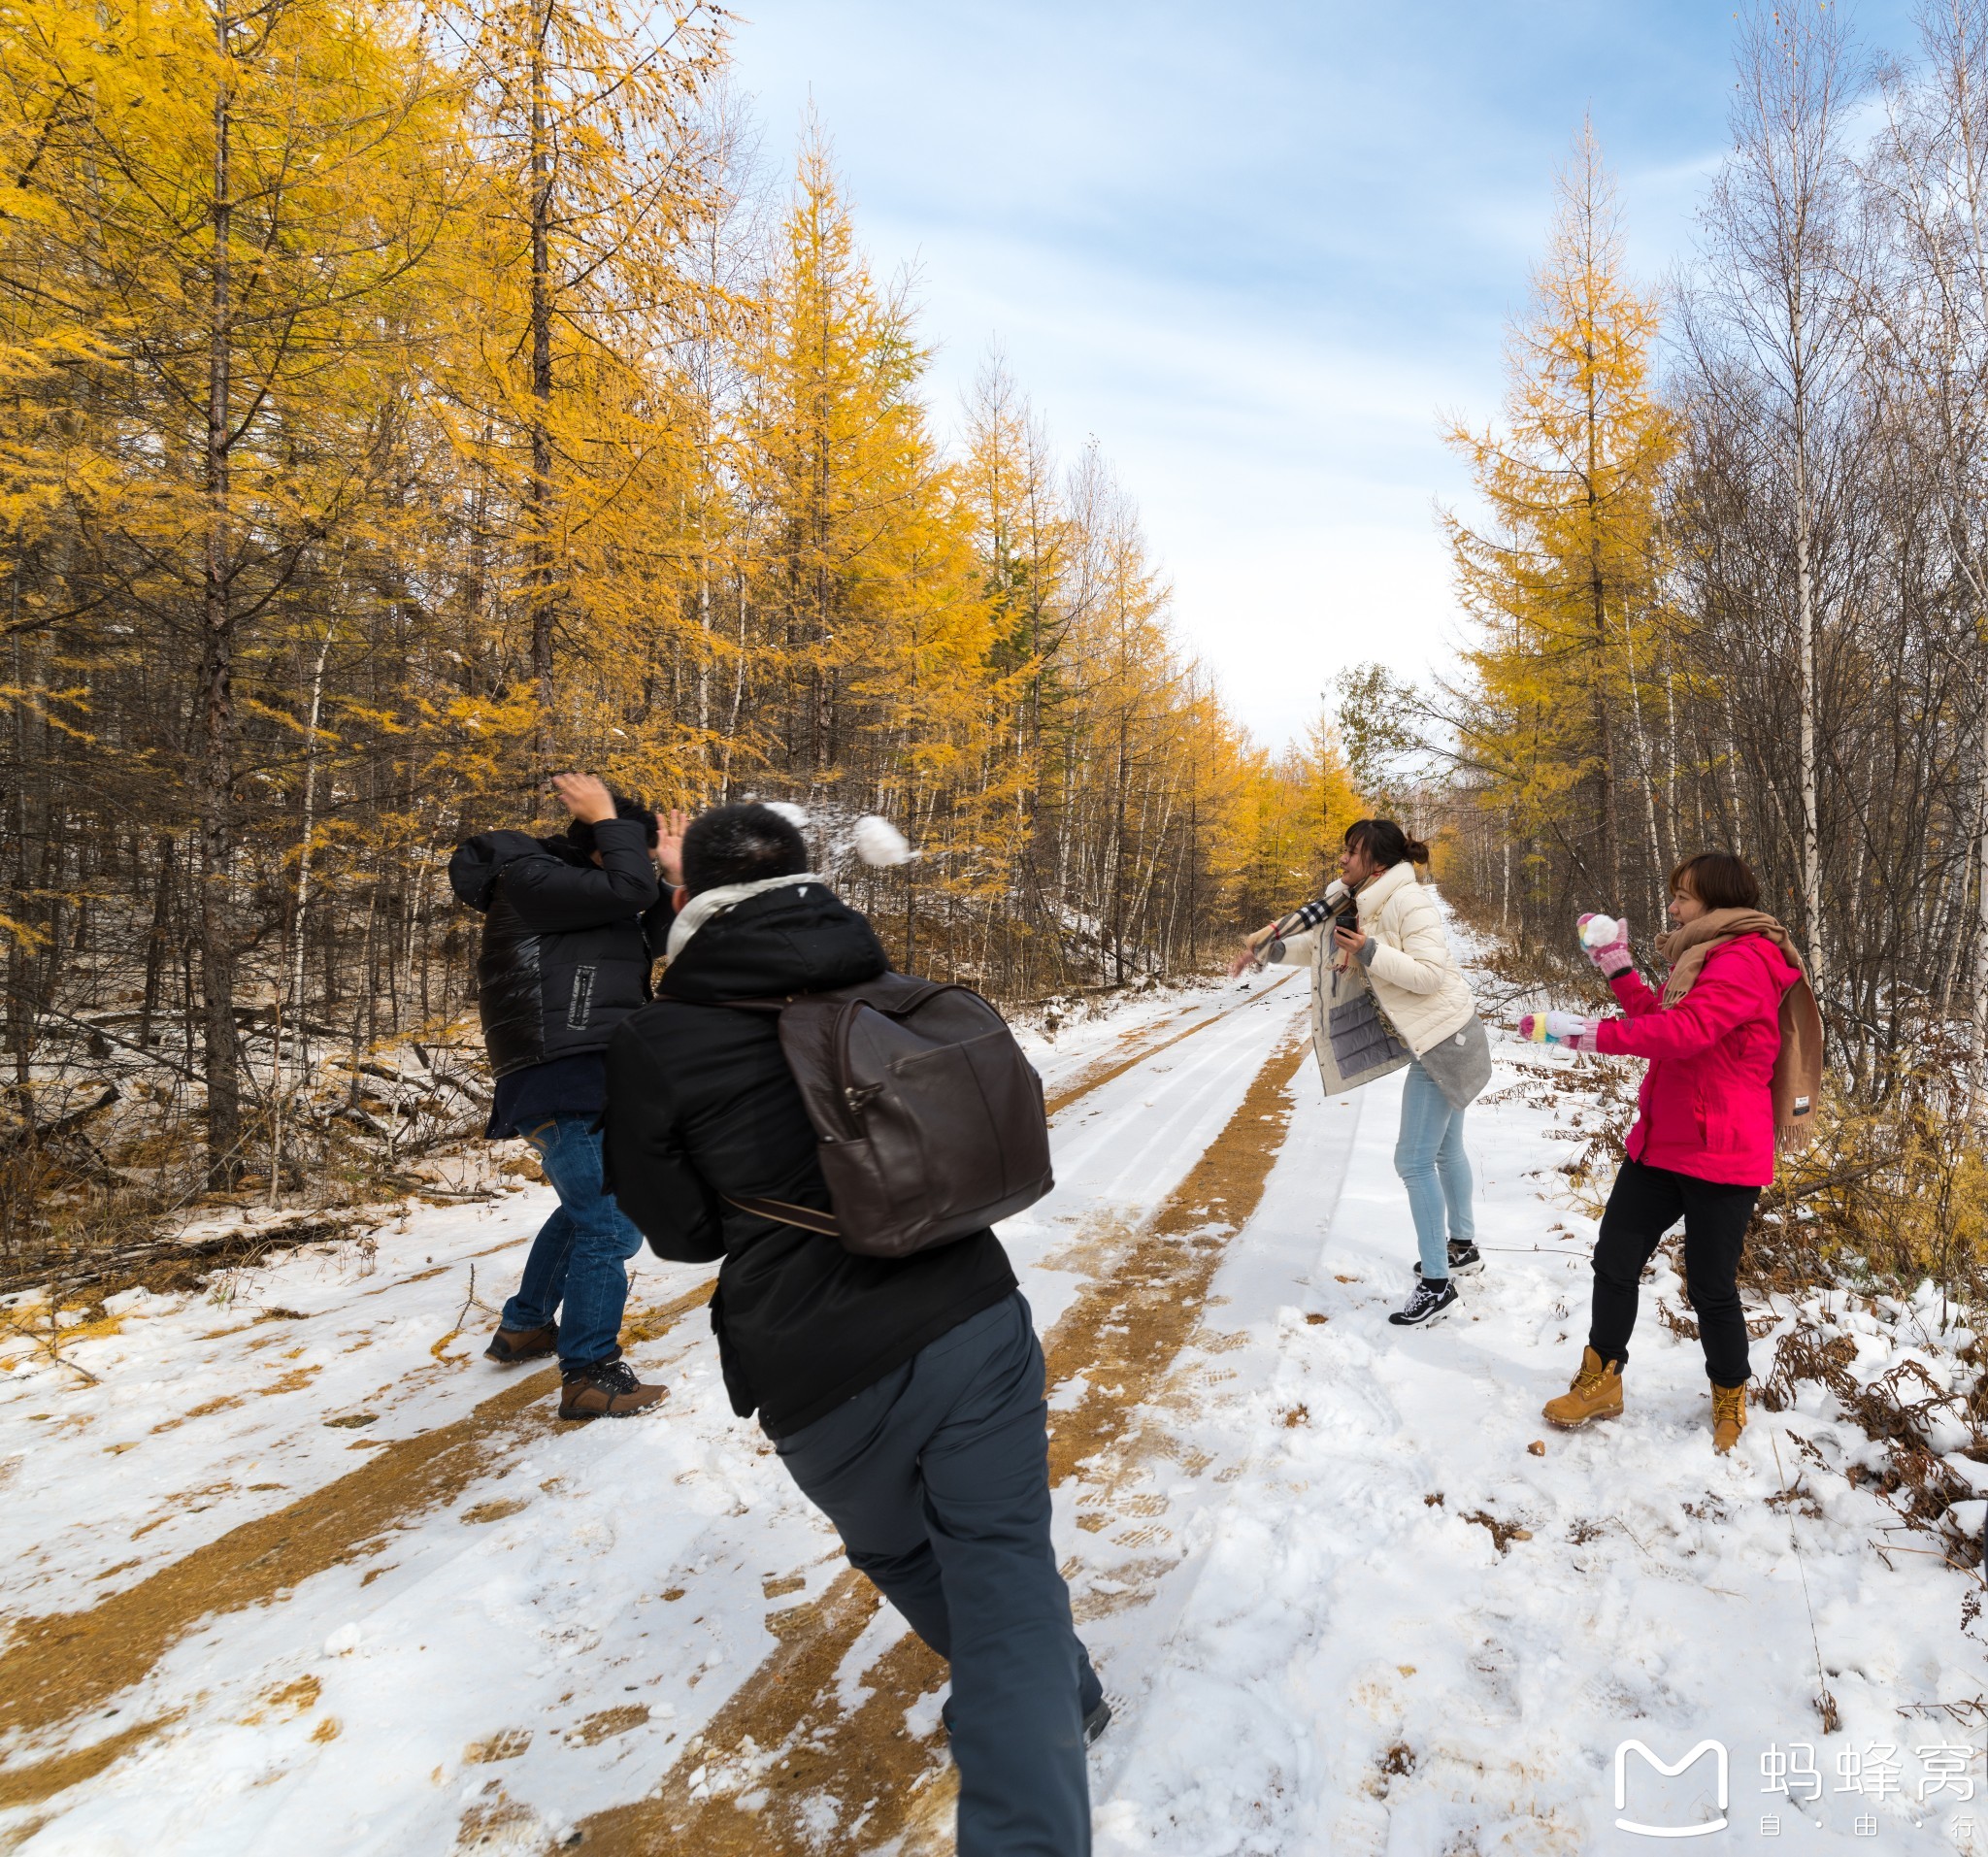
(62, 1665)
(1123, 1333)
(31, 1785)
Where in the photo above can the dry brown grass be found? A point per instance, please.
(1898, 1410)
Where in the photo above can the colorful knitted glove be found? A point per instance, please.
(1576, 1033)
(1605, 942)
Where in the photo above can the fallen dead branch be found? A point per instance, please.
(171, 1263)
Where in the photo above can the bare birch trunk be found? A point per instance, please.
(215, 776)
(1977, 1030)
(539, 493)
(1804, 605)
(300, 1053)
(1643, 757)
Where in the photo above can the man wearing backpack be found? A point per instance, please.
(905, 1394)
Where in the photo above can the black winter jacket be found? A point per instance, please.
(567, 946)
(701, 1102)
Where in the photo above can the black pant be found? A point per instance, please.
(937, 1477)
(1645, 1203)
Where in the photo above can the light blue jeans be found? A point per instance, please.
(1429, 1156)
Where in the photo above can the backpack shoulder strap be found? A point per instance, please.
(806, 1217)
(774, 1006)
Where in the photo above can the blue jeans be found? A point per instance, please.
(1429, 1156)
(580, 1255)
(937, 1477)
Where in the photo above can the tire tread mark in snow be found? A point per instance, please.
(64, 1664)
(1096, 1077)
(1123, 1332)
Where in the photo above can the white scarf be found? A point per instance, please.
(706, 904)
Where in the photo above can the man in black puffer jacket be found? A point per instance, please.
(904, 1395)
(571, 929)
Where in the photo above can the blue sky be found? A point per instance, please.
(1256, 252)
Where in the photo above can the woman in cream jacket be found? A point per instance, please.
(1399, 938)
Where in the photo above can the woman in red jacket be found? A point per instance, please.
(1733, 1044)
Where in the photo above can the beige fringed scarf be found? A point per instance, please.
(1797, 1069)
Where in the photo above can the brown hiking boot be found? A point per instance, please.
(510, 1346)
(1729, 1416)
(607, 1389)
(1596, 1393)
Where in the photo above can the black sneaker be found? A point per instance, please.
(1427, 1303)
(1463, 1260)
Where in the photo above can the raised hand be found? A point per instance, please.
(584, 797)
(668, 852)
(1249, 954)
(1610, 952)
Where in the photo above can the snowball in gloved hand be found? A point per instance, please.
(1605, 940)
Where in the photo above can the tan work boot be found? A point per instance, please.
(1596, 1393)
(511, 1345)
(1729, 1416)
(607, 1389)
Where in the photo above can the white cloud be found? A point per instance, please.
(1257, 254)
(1285, 481)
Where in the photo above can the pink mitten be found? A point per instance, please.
(1604, 940)
(1566, 1029)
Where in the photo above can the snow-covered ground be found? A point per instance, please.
(288, 1559)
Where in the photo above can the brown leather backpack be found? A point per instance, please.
(929, 1120)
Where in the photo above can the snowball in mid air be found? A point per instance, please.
(880, 844)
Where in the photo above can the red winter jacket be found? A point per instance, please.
(1706, 1106)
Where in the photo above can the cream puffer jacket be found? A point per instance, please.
(1414, 975)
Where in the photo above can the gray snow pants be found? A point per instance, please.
(937, 1477)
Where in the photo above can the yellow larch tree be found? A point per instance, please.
(237, 204)
(1565, 577)
(586, 119)
(395, 405)
(1299, 803)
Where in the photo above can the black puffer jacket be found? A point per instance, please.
(567, 946)
(701, 1103)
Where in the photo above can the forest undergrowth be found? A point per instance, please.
(116, 1193)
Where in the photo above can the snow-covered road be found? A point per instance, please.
(298, 1565)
